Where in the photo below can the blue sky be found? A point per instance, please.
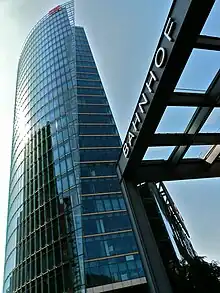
(123, 36)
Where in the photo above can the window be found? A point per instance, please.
(92, 204)
(67, 147)
(69, 163)
(90, 91)
(61, 150)
(89, 83)
(92, 100)
(99, 154)
(98, 169)
(112, 244)
(85, 63)
(59, 186)
(71, 180)
(97, 276)
(63, 166)
(95, 224)
(86, 69)
(96, 141)
(88, 76)
(115, 204)
(100, 185)
(57, 169)
(65, 183)
(107, 204)
(91, 118)
(99, 205)
(97, 129)
(93, 109)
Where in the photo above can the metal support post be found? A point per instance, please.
(155, 271)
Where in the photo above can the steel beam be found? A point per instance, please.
(183, 99)
(212, 154)
(152, 262)
(161, 170)
(185, 22)
(198, 119)
(181, 139)
(208, 43)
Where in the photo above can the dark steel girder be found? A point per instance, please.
(208, 43)
(161, 170)
(178, 139)
(199, 118)
(182, 99)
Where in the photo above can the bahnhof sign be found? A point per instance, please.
(141, 180)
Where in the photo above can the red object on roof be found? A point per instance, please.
(55, 9)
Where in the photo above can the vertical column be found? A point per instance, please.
(155, 272)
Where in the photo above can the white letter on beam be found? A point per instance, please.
(126, 150)
(169, 29)
(145, 102)
(131, 136)
(136, 120)
(160, 57)
(151, 80)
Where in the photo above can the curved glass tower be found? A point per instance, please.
(68, 229)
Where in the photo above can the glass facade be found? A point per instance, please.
(68, 227)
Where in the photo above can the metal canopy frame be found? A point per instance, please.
(181, 34)
(189, 20)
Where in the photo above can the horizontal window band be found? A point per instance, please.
(107, 212)
(90, 73)
(119, 285)
(112, 256)
(93, 162)
(91, 95)
(99, 147)
(85, 66)
(112, 162)
(101, 193)
(89, 87)
(114, 135)
(95, 124)
(96, 177)
(87, 104)
(102, 114)
(108, 233)
(85, 79)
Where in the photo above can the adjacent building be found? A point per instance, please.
(68, 228)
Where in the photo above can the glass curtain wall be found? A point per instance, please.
(110, 249)
(67, 227)
(44, 234)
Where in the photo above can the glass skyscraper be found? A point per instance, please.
(68, 229)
